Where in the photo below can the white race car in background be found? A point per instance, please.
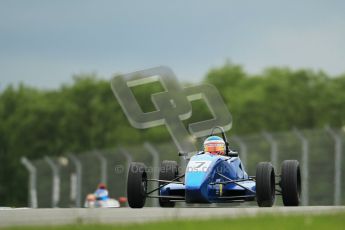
(92, 202)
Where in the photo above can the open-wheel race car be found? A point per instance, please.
(215, 178)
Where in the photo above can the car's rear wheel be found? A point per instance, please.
(265, 184)
(136, 185)
(168, 171)
(290, 182)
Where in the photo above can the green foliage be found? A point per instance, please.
(280, 98)
(86, 115)
(269, 221)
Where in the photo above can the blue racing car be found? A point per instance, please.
(215, 175)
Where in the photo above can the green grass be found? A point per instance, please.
(305, 222)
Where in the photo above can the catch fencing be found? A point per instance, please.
(65, 181)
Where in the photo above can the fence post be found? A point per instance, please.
(274, 147)
(79, 172)
(155, 163)
(103, 163)
(305, 166)
(32, 182)
(55, 181)
(129, 159)
(243, 149)
(337, 164)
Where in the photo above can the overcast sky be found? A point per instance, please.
(43, 43)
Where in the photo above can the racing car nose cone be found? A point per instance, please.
(196, 187)
(197, 177)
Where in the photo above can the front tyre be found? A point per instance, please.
(136, 185)
(265, 184)
(290, 182)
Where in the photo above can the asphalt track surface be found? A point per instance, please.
(61, 216)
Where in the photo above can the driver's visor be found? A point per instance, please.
(214, 147)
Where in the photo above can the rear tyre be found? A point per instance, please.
(265, 184)
(290, 182)
(136, 185)
(168, 171)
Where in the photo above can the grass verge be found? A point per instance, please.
(281, 222)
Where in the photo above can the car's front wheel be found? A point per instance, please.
(136, 185)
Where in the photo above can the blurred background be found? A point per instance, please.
(279, 66)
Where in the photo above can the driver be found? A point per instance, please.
(214, 145)
(102, 192)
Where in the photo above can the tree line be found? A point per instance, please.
(85, 115)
